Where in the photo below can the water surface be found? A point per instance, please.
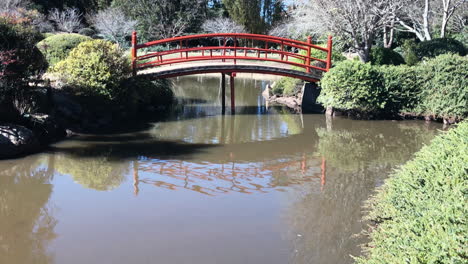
(261, 186)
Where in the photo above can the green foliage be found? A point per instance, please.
(436, 47)
(95, 67)
(444, 87)
(57, 47)
(145, 92)
(352, 85)
(89, 32)
(409, 52)
(287, 86)
(402, 88)
(420, 212)
(383, 56)
(20, 58)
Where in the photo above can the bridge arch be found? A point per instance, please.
(275, 50)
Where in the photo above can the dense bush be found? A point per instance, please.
(57, 47)
(383, 56)
(444, 87)
(352, 85)
(95, 67)
(420, 212)
(87, 32)
(287, 86)
(19, 56)
(402, 88)
(436, 47)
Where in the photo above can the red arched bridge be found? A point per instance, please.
(236, 53)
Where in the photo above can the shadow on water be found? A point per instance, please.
(122, 147)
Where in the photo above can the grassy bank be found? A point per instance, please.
(419, 214)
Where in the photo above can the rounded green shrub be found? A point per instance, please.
(444, 85)
(352, 85)
(57, 47)
(384, 56)
(436, 47)
(95, 67)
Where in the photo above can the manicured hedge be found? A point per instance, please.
(352, 85)
(57, 47)
(436, 88)
(436, 47)
(419, 214)
(444, 85)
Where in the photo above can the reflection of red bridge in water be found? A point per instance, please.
(211, 179)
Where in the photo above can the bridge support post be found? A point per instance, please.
(134, 53)
(330, 51)
(223, 93)
(233, 96)
(309, 41)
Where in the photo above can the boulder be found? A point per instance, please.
(16, 140)
(45, 127)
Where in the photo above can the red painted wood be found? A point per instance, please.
(329, 54)
(156, 59)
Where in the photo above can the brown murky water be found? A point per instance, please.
(262, 186)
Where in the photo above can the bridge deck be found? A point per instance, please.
(225, 67)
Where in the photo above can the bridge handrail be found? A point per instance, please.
(283, 42)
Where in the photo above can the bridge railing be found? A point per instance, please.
(276, 49)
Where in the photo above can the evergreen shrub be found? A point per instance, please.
(383, 56)
(444, 85)
(352, 85)
(95, 67)
(419, 214)
(436, 47)
(57, 47)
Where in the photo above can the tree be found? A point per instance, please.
(164, 18)
(355, 21)
(114, 25)
(222, 25)
(416, 16)
(449, 7)
(257, 16)
(68, 20)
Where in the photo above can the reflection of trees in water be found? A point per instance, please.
(358, 159)
(350, 146)
(230, 129)
(96, 172)
(201, 96)
(26, 221)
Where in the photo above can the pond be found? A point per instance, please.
(261, 186)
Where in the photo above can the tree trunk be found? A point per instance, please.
(427, 33)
